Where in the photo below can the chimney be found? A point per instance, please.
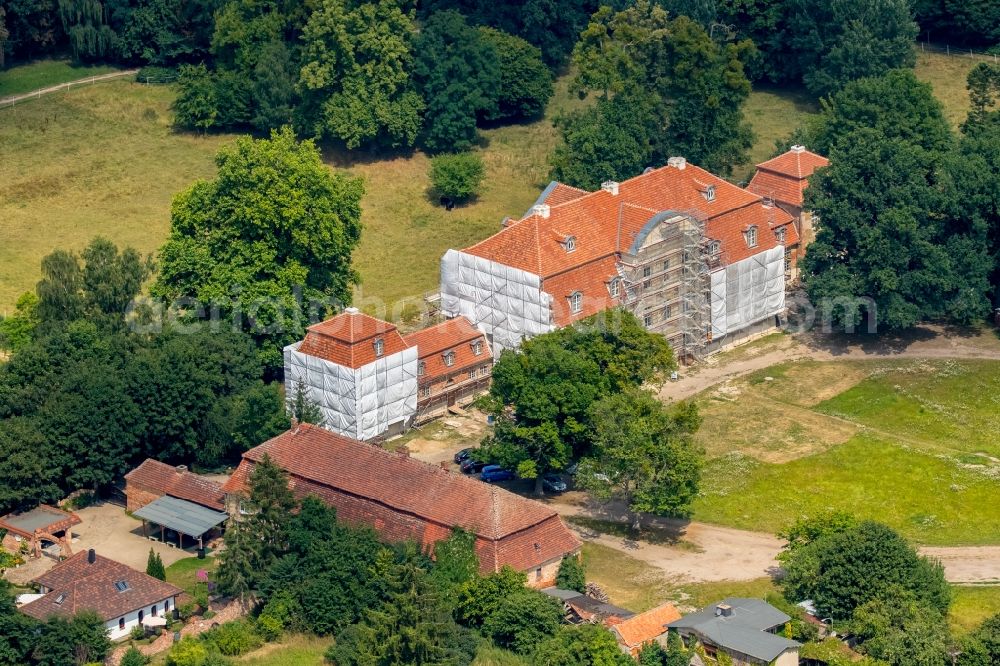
(351, 310)
(506, 222)
(723, 610)
(294, 422)
(182, 468)
(610, 186)
(798, 149)
(91, 556)
(677, 162)
(542, 210)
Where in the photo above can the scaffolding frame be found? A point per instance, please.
(665, 281)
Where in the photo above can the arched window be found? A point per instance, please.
(152, 611)
(570, 243)
(576, 302)
(121, 624)
(141, 615)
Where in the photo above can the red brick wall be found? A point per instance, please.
(137, 497)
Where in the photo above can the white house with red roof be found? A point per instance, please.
(695, 257)
(359, 371)
(371, 381)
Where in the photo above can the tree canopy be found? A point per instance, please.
(846, 568)
(268, 242)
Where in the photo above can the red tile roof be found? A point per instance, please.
(404, 498)
(602, 224)
(78, 584)
(454, 335)
(349, 339)
(643, 628)
(157, 477)
(785, 177)
(562, 193)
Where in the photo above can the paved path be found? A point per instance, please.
(11, 100)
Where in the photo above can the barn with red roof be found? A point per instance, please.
(405, 499)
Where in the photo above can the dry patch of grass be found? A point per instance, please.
(947, 75)
(99, 160)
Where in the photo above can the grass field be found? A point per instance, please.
(970, 605)
(183, 573)
(104, 160)
(45, 73)
(913, 444)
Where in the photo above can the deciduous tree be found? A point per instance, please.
(982, 646)
(846, 569)
(900, 631)
(643, 454)
(581, 645)
(268, 238)
(570, 575)
(457, 72)
(457, 176)
(356, 75)
(525, 81)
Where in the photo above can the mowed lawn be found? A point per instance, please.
(911, 443)
(45, 73)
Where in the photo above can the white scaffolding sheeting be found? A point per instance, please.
(505, 303)
(361, 403)
(748, 291)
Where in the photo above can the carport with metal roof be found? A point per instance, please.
(181, 516)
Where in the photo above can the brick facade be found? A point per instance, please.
(137, 496)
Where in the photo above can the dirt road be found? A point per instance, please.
(922, 342)
(699, 552)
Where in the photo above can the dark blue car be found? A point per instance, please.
(492, 473)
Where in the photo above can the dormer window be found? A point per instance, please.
(614, 288)
(477, 347)
(121, 585)
(379, 347)
(421, 368)
(449, 358)
(751, 236)
(576, 302)
(779, 233)
(570, 243)
(709, 193)
(61, 598)
(714, 248)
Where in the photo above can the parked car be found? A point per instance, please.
(553, 483)
(463, 455)
(472, 466)
(493, 473)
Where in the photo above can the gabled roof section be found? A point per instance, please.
(558, 193)
(785, 178)
(797, 162)
(349, 339)
(744, 630)
(397, 481)
(603, 223)
(78, 584)
(643, 628)
(456, 335)
(180, 483)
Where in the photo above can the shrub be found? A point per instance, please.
(138, 632)
(571, 576)
(269, 627)
(457, 176)
(189, 652)
(133, 657)
(234, 638)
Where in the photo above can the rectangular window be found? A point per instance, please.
(613, 287)
(666, 312)
(779, 233)
(538, 573)
(449, 359)
(425, 392)
(472, 373)
(646, 271)
(788, 260)
(379, 347)
(477, 347)
(666, 265)
(647, 320)
(421, 368)
(752, 237)
(714, 247)
(576, 302)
